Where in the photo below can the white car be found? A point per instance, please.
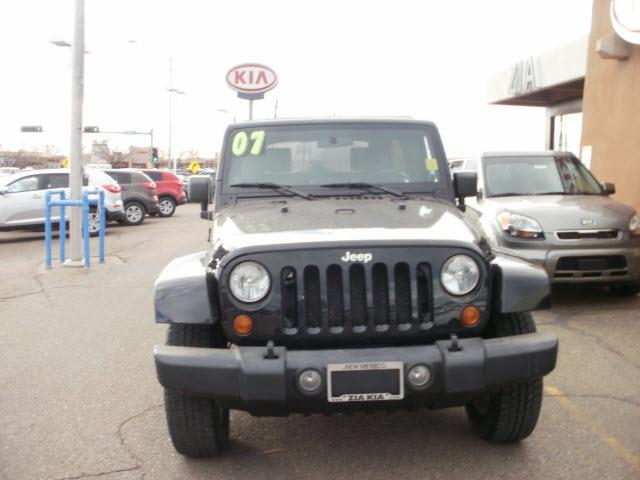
(22, 197)
(5, 171)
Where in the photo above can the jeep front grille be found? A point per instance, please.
(356, 296)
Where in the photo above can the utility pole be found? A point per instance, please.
(171, 91)
(75, 157)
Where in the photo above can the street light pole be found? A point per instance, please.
(75, 157)
(170, 89)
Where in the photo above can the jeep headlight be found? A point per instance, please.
(249, 282)
(519, 226)
(634, 226)
(459, 275)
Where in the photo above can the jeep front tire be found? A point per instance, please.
(197, 426)
(510, 414)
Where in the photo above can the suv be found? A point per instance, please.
(138, 194)
(170, 191)
(22, 197)
(343, 277)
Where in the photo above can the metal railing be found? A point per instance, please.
(89, 198)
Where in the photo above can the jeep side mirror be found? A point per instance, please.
(609, 188)
(465, 184)
(200, 188)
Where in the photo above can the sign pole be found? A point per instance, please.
(251, 109)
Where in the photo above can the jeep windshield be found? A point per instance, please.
(538, 175)
(349, 159)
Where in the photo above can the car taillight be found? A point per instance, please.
(149, 185)
(112, 188)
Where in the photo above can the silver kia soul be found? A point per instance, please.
(546, 207)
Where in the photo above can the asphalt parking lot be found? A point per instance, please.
(79, 398)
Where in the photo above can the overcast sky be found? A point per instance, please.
(427, 59)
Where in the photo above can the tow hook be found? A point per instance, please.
(271, 354)
(454, 347)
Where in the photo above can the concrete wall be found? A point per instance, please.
(611, 112)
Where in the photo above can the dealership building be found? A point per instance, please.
(590, 89)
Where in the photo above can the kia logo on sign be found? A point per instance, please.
(251, 78)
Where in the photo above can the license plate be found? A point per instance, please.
(365, 381)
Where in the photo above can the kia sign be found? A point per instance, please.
(251, 78)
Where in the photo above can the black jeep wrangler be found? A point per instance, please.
(342, 277)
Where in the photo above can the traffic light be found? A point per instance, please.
(31, 128)
(154, 155)
(91, 130)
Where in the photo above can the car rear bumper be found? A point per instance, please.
(115, 215)
(242, 378)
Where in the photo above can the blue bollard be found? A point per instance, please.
(62, 228)
(85, 205)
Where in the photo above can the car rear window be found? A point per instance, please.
(139, 177)
(155, 175)
(120, 177)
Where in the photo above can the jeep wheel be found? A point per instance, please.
(166, 206)
(510, 414)
(625, 290)
(198, 427)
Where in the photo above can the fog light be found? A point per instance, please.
(310, 381)
(242, 324)
(419, 376)
(470, 316)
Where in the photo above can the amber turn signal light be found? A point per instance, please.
(242, 324)
(470, 316)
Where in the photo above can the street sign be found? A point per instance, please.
(31, 128)
(65, 162)
(194, 167)
(251, 78)
(92, 129)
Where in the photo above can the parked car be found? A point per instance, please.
(546, 207)
(22, 197)
(138, 194)
(169, 190)
(468, 164)
(343, 277)
(4, 171)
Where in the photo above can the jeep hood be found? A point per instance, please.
(566, 212)
(353, 220)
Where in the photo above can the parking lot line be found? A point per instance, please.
(627, 454)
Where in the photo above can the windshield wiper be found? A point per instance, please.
(364, 186)
(551, 193)
(274, 186)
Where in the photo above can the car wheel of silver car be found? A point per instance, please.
(134, 213)
(166, 206)
(510, 414)
(197, 426)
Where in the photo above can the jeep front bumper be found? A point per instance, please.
(242, 378)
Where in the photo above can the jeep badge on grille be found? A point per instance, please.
(357, 257)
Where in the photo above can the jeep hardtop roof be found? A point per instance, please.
(329, 121)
